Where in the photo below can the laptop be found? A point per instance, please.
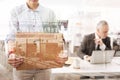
(102, 57)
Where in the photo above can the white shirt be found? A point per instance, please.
(24, 19)
(102, 47)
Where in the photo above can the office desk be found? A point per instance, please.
(87, 69)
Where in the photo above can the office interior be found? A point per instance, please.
(75, 18)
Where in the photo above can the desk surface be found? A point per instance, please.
(90, 69)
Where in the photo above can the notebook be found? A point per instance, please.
(101, 57)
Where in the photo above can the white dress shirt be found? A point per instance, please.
(24, 19)
(102, 47)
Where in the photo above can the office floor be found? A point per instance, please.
(5, 74)
(3, 77)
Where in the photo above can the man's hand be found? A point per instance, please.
(98, 42)
(14, 60)
(62, 58)
(87, 58)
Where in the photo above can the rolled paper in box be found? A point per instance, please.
(39, 50)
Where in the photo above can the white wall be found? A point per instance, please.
(85, 12)
(5, 7)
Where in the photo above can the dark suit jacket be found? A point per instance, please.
(88, 45)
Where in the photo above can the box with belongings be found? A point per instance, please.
(39, 50)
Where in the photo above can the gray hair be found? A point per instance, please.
(101, 23)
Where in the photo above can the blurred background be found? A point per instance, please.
(76, 17)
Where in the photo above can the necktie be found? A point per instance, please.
(98, 47)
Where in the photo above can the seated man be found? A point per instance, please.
(95, 41)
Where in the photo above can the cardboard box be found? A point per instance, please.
(39, 49)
